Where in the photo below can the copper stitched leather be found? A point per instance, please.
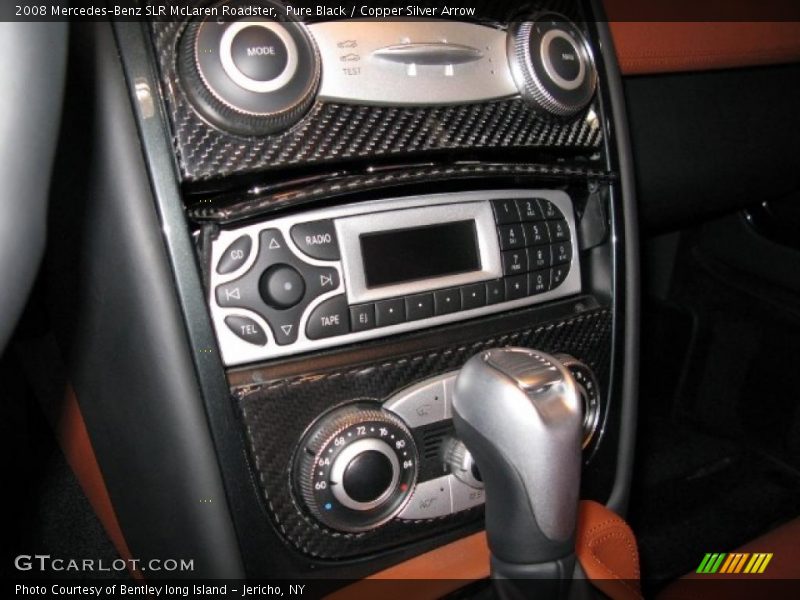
(682, 36)
(784, 544)
(450, 567)
(606, 549)
(73, 438)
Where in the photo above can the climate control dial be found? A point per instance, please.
(356, 467)
(251, 76)
(552, 64)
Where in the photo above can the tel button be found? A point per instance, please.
(247, 329)
(235, 255)
(317, 239)
(329, 319)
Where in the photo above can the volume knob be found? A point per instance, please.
(356, 467)
(552, 64)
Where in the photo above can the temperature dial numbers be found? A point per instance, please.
(357, 468)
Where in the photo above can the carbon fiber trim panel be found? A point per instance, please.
(232, 208)
(276, 414)
(331, 133)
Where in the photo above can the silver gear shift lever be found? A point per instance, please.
(519, 413)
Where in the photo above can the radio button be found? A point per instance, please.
(281, 286)
(562, 253)
(537, 233)
(529, 209)
(558, 275)
(473, 296)
(317, 239)
(511, 237)
(515, 262)
(559, 231)
(539, 281)
(390, 312)
(419, 307)
(549, 210)
(329, 319)
(495, 291)
(247, 329)
(235, 255)
(505, 211)
(516, 287)
(362, 317)
(447, 301)
(540, 257)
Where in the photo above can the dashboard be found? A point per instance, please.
(343, 213)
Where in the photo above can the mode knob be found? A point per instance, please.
(552, 64)
(356, 467)
(251, 76)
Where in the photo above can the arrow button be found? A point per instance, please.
(321, 280)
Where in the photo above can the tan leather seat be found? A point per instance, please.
(781, 578)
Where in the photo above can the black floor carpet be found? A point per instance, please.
(696, 493)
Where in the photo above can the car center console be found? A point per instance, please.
(371, 202)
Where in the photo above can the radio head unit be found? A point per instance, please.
(335, 276)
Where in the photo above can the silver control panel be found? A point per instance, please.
(362, 271)
(390, 62)
(426, 403)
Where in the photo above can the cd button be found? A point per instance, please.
(559, 231)
(495, 291)
(329, 319)
(419, 307)
(529, 209)
(389, 312)
(537, 233)
(473, 296)
(447, 301)
(539, 281)
(317, 239)
(505, 211)
(247, 329)
(516, 287)
(511, 237)
(540, 257)
(259, 53)
(515, 262)
(362, 317)
(235, 255)
(562, 253)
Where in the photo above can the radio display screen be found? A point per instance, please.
(401, 255)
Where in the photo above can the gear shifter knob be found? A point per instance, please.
(519, 413)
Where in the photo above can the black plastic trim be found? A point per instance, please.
(626, 267)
